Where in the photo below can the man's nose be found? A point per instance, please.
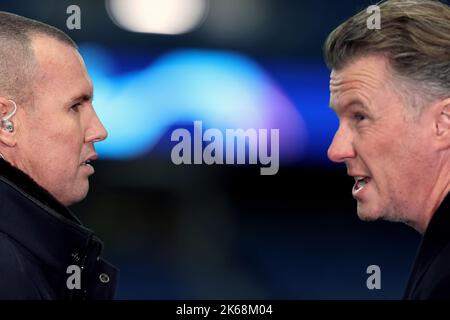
(341, 148)
(96, 131)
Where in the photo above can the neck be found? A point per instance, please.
(431, 202)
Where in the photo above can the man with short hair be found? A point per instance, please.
(390, 89)
(48, 128)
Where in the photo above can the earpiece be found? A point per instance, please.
(6, 124)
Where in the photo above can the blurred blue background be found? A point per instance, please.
(223, 231)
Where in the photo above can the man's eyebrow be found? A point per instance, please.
(349, 104)
(82, 97)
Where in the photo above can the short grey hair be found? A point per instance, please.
(17, 59)
(415, 39)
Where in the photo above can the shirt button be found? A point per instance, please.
(104, 278)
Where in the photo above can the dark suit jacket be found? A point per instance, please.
(430, 276)
(39, 239)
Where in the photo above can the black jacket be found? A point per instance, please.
(430, 276)
(39, 239)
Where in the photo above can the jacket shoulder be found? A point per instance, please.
(15, 276)
(435, 283)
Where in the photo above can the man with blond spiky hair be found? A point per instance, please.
(390, 89)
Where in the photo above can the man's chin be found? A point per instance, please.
(365, 213)
(73, 200)
(373, 213)
(75, 197)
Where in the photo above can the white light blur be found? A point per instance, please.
(157, 16)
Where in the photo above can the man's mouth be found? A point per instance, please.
(86, 163)
(88, 166)
(88, 160)
(360, 184)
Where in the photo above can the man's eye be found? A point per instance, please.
(75, 107)
(359, 116)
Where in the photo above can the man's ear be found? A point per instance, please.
(442, 122)
(7, 137)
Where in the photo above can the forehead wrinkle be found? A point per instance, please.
(360, 87)
(366, 79)
(363, 83)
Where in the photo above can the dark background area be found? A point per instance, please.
(224, 231)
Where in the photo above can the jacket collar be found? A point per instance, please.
(436, 237)
(437, 233)
(36, 220)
